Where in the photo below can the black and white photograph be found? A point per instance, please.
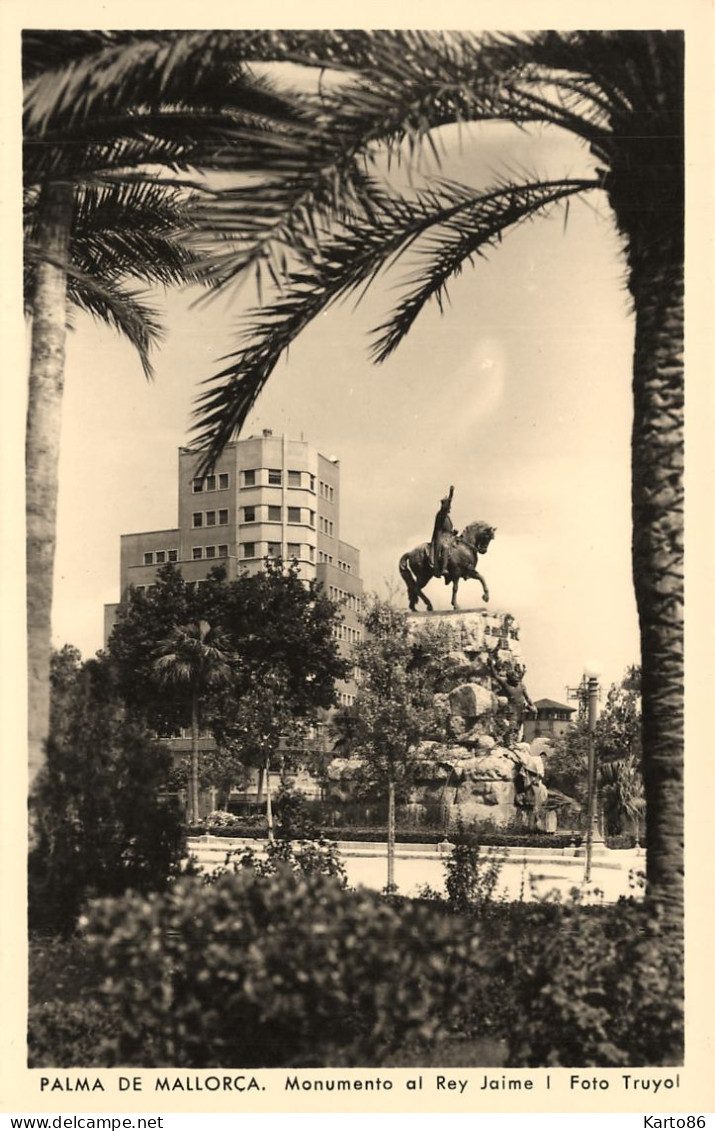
(353, 423)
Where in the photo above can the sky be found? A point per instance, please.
(518, 395)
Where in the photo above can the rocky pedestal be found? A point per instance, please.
(482, 772)
(485, 772)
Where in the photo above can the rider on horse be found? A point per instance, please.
(442, 536)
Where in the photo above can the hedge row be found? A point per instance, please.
(378, 833)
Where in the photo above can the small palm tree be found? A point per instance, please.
(198, 657)
(622, 791)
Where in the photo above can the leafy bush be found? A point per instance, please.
(286, 969)
(471, 877)
(592, 986)
(318, 857)
(219, 819)
(294, 815)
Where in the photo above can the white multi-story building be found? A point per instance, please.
(268, 496)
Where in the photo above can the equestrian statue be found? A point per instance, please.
(449, 555)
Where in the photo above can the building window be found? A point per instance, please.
(197, 519)
(249, 549)
(312, 483)
(311, 553)
(160, 557)
(249, 514)
(223, 518)
(172, 555)
(197, 486)
(274, 514)
(210, 482)
(274, 549)
(275, 476)
(294, 549)
(223, 551)
(294, 514)
(294, 479)
(223, 481)
(210, 518)
(148, 559)
(197, 553)
(312, 518)
(210, 551)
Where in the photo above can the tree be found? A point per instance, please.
(144, 618)
(619, 749)
(107, 115)
(617, 741)
(280, 633)
(393, 710)
(284, 631)
(621, 94)
(81, 246)
(264, 715)
(101, 825)
(199, 657)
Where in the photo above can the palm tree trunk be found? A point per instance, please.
(390, 836)
(269, 806)
(657, 497)
(194, 790)
(42, 447)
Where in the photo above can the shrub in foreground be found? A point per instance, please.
(592, 986)
(285, 969)
(65, 1034)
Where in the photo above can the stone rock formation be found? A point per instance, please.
(482, 771)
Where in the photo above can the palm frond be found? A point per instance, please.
(131, 230)
(111, 303)
(142, 68)
(465, 225)
(260, 226)
(461, 222)
(406, 85)
(121, 309)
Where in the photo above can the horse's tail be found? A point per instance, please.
(405, 570)
(407, 575)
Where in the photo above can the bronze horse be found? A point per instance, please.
(416, 566)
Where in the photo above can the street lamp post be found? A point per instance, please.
(593, 831)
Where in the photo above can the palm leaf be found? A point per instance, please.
(148, 69)
(464, 225)
(108, 301)
(409, 84)
(458, 222)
